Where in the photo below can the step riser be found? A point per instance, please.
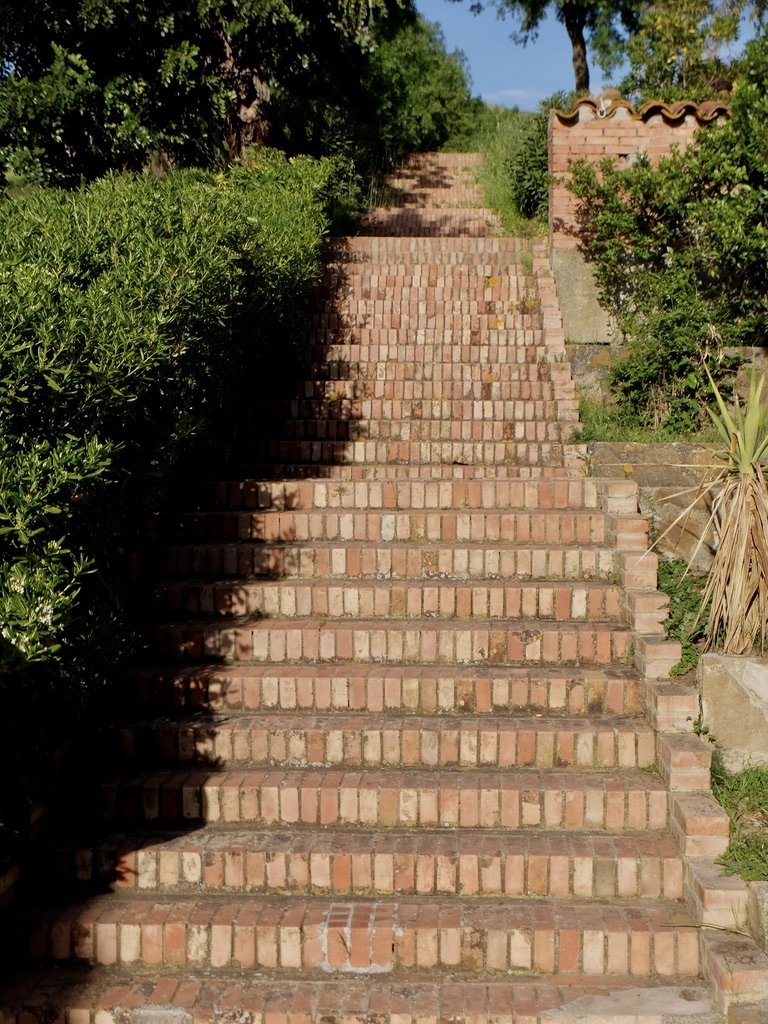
(505, 453)
(343, 471)
(365, 562)
(386, 412)
(419, 744)
(446, 319)
(488, 496)
(447, 526)
(361, 865)
(535, 387)
(427, 691)
(359, 939)
(442, 375)
(445, 599)
(351, 430)
(276, 642)
(323, 798)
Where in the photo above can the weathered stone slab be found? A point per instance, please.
(757, 912)
(734, 706)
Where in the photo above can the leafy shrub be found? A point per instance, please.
(680, 255)
(136, 314)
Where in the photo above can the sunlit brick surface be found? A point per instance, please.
(387, 760)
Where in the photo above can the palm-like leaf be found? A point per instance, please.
(737, 588)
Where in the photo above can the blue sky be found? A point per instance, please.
(503, 72)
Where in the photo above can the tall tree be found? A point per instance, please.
(676, 51)
(604, 23)
(86, 85)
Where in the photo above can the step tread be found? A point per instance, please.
(199, 997)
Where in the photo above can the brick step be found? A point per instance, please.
(117, 995)
(439, 599)
(478, 430)
(244, 465)
(280, 739)
(364, 560)
(652, 938)
(444, 373)
(361, 345)
(424, 288)
(444, 316)
(528, 453)
(419, 525)
(373, 689)
(388, 863)
(501, 642)
(431, 222)
(384, 250)
(532, 380)
(470, 798)
(370, 410)
(491, 496)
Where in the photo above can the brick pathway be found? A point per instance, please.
(394, 766)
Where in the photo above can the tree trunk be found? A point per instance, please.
(248, 123)
(574, 17)
(248, 120)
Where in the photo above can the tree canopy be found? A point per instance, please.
(604, 23)
(89, 85)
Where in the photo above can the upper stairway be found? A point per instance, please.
(398, 753)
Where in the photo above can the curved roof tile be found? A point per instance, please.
(673, 113)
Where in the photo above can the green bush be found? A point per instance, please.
(136, 314)
(680, 255)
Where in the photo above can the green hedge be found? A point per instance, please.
(136, 315)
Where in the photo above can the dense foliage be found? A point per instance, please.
(97, 85)
(676, 51)
(406, 94)
(681, 257)
(136, 313)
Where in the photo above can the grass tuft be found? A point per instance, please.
(744, 795)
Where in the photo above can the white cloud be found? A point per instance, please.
(514, 97)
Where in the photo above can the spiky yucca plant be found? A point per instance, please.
(737, 587)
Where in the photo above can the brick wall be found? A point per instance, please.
(595, 129)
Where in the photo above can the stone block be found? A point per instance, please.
(757, 912)
(734, 707)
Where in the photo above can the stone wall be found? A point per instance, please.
(610, 127)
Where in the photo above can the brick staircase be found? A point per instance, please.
(408, 752)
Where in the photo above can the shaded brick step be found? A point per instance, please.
(382, 250)
(312, 934)
(558, 601)
(421, 291)
(339, 470)
(534, 381)
(427, 524)
(444, 373)
(361, 346)
(468, 320)
(426, 642)
(431, 222)
(529, 453)
(425, 430)
(470, 798)
(364, 560)
(360, 863)
(375, 409)
(493, 496)
(114, 995)
(377, 688)
(300, 740)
